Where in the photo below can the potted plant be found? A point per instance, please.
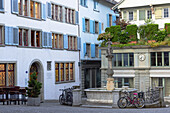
(33, 91)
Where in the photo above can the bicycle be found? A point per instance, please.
(125, 101)
(66, 97)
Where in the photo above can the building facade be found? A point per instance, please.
(42, 37)
(94, 17)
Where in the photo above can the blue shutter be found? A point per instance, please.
(108, 20)
(1, 5)
(81, 2)
(14, 6)
(15, 36)
(84, 48)
(83, 24)
(85, 3)
(100, 28)
(93, 50)
(43, 11)
(49, 10)
(6, 35)
(50, 40)
(91, 26)
(47, 39)
(77, 17)
(10, 38)
(99, 53)
(65, 41)
(95, 4)
(42, 39)
(78, 43)
(113, 20)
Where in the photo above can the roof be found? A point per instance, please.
(139, 3)
(111, 1)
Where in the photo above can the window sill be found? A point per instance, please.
(72, 50)
(57, 49)
(2, 45)
(30, 47)
(96, 10)
(1, 11)
(29, 17)
(63, 82)
(84, 6)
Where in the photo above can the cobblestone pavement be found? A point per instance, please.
(56, 108)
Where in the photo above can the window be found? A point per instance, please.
(159, 58)
(87, 25)
(96, 51)
(35, 38)
(83, 3)
(23, 37)
(2, 5)
(149, 14)
(123, 60)
(96, 5)
(69, 16)
(23, 7)
(57, 41)
(48, 65)
(96, 27)
(166, 12)
(7, 74)
(57, 12)
(102, 26)
(119, 82)
(130, 15)
(1, 35)
(64, 72)
(88, 50)
(35, 9)
(110, 20)
(141, 15)
(72, 42)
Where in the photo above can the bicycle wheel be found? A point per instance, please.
(122, 102)
(69, 100)
(61, 99)
(139, 102)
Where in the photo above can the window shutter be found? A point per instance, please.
(95, 4)
(100, 28)
(49, 10)
(1, 5)
(15, 36)
(6, 35)
(14, 6)
(78, 43)
(42, 39)
(84, 48)
(93, 50)
(10, 34)
(91, 26)
(63, 14)
(113, 20)
(158, 13)
(85, 3)
(50, 40)
(43, 11)
(99, 53)
(135, 15)
(83, 24)
(141, 14)
(77, 17)
(65, 41)
(108, 20)
(45, 39)
(124, 15)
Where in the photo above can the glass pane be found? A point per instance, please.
(11, 74)
(57, 72)
(71, 71)
(141, 14)
(125, 59)
(149, 14)
(38, 38)
(159, 59)
(87, 78)
(62, 71)
(1, 35)
(166, 58)
(67, 71)
(131, 60)
(2, 75)
(119, 57)
(153, 59)
(130, 15)
(37, 10)
(119, 82)
(31, 8)
(114, 60)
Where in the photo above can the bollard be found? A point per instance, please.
(76, 97)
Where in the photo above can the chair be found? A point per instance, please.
(23, 98)
(2, 96)
(14, 95)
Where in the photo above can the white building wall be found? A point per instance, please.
(24, 56)
(101, 16)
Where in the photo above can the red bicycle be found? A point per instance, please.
(127, 100)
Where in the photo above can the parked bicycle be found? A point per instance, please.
(66, 97)
(128, 100)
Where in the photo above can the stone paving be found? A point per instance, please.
(57, 108)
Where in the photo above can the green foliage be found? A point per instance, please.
(34, 86)
(123, 37)
(160, 35)
(167, 27)
(132, 32)
(149, 21)
(151, 30)
(142, 31)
